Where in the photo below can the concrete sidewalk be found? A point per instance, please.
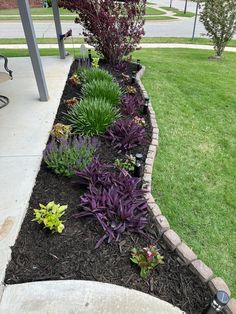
(80, 297)
(159, 45)
(24, 128)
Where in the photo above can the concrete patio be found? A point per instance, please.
(24, 128)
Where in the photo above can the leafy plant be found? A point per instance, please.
(125, 134)
(131, 90)
(61, 131)
(219, 19)
(107, 90)
(68, 156)
(139, 121)
(131, 104)
(114, 199)
(71, 102)
(95, 62)
(49, 215)
(113, 28)
(74, 80)
(128, 163)
(92, 116)
(147, 259)
(90, 74)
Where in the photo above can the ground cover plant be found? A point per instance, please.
(127, 225)
(194, 173)
(126, 134)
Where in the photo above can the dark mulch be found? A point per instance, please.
(38, 255)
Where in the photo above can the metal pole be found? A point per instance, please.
(171, 3)
(195, 20)
(185, 8)
(57, 21)
(27, 23)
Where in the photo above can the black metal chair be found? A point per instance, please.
(4, 101)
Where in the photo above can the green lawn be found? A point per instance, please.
(43, 11)
(152, 11)
(194, 178)
(195, 169)
(181, 40)
(178, 12)
(158, 18)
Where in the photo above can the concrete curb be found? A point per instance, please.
(172, 240)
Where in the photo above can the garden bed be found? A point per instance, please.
(39, 255)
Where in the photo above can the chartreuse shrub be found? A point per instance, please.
(90, 74)
(69, 155)
(108, 90)
(49, 215)
(147, 259)
(92, 116)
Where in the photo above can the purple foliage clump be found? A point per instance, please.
(131, 104)
(114, 199)
(125, 134)
(122, 67)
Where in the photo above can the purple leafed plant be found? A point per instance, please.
(131, 104)
(122, 67)
(115, 200)
(125, 134)
(113, 28)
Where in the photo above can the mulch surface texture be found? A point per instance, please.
(39, 255)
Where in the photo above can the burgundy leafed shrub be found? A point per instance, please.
(114, 199)
(113, 28)
(131, 104)
(125, 134)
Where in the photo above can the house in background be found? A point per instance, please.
(11, 4)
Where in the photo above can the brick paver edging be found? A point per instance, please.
(173, 241)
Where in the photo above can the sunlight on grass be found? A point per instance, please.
(195, 170)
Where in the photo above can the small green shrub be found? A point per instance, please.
(94, 74)
(146, 258)
(128, 163)
(109, 91)
(92, 116)
(69, 155)
(50, 215)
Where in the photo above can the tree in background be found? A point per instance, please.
(114, 28)
(219, 19)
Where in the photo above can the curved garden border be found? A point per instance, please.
(173, 241)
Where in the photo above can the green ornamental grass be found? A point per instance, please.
(92, 116)
(90, 74)
(108, 91)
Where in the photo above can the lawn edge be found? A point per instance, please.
(171, 238)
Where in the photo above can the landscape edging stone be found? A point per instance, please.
(172, 240)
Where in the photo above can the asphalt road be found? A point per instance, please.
(171, 28)
(178, 28)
